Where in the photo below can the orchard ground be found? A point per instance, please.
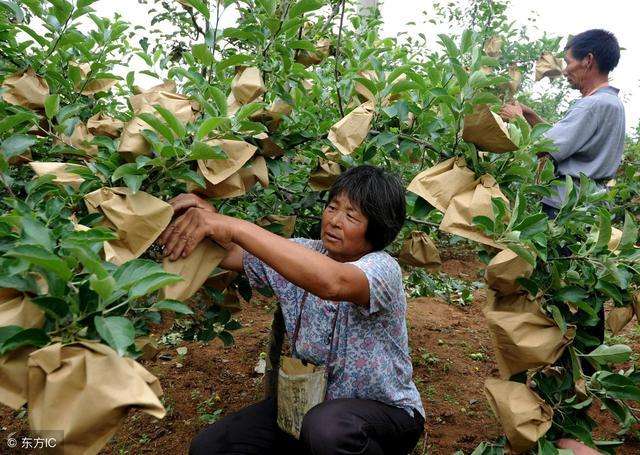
(451, 353)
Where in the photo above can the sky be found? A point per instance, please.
(556, 17)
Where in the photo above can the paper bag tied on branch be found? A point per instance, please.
(86, 389)
(267, 146)
(618, 318)
(62, 171)
(523, 336)
(464, 207)
(308, 58)
(194, 269)
(80, 139)
(493, 46)
(238, 153)
(438, 184)
(284, 224)
(103, 125)
(247, 85)
(548, 66)
(323, 176)
(512, 87)
(16, 309)
(418, 250)
(525, 417)
(138, 219)
(487, 131)
(349, 132)
(132, 142)
(272, 115)
(503, 271)
(92, 85)
(26, 89)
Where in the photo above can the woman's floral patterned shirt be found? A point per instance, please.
(370, 357)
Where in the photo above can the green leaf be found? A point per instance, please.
(116, 331)
(172, 121)
(449, 45)
(532, 225)
(36, 233)
(8, 331)
(247, 110)
(558, 318)
(16, 144)
(133, 271)
(102, 286)
(157, 125)
(27, 337)
(226, 338)
(618, 386)
(629, 232)
(200, 6)
(203, 54)
(204, 151)
(571, 294)
(523, 253)
(604, 354)
(37, 255)
(172, 305)
(152, 283)
(304, 6)
(13, 8)
(211, 124)
(220, 99)
(54, 306)
(604, 229)
(485, 223)
(52, 105)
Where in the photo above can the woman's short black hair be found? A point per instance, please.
(380, 196)
(601, 43)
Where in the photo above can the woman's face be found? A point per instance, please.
(343, 230)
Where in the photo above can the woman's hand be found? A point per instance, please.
(512, 111)
(187, 231)
(577, 447)
(185, 201)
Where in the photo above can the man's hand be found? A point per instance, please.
(187, 231)
(185, 201)
(511, 111)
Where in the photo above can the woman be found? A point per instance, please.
(372, 404)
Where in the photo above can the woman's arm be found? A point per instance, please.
(312, 271)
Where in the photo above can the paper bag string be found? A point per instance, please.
(333, 331)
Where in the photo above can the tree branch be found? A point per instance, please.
(337, 59)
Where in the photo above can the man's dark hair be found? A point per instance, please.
(380, 196)
(601, 43)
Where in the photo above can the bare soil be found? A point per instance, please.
(452, 356)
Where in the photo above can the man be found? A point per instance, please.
(590, 138)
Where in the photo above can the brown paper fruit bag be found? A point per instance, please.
(247, 85)
(285, 224)
(149, 347)
(92, 86)
(618, 318)
(323, 176)
(240, 182)
(86, 389)
(16, 309)
(272, 115)
(548, 66)
(523, 336)
(132, 142)
(349, 132)
(438, 184)
(503, 271)
(103, 125)
(464, 207)
(487, 131)
(267, 147)
(525, 417)
(614, 240)
(418, 250)
(493, 46)
(307, 58)
(238, 153)
(80, 139)
(25, 89)
(13, 377)
(195, 269)
(138, 219)
(60, 170)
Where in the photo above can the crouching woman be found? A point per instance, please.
(344, 308)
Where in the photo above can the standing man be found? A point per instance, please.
(590, 138)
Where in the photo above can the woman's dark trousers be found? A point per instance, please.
(335, 427)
